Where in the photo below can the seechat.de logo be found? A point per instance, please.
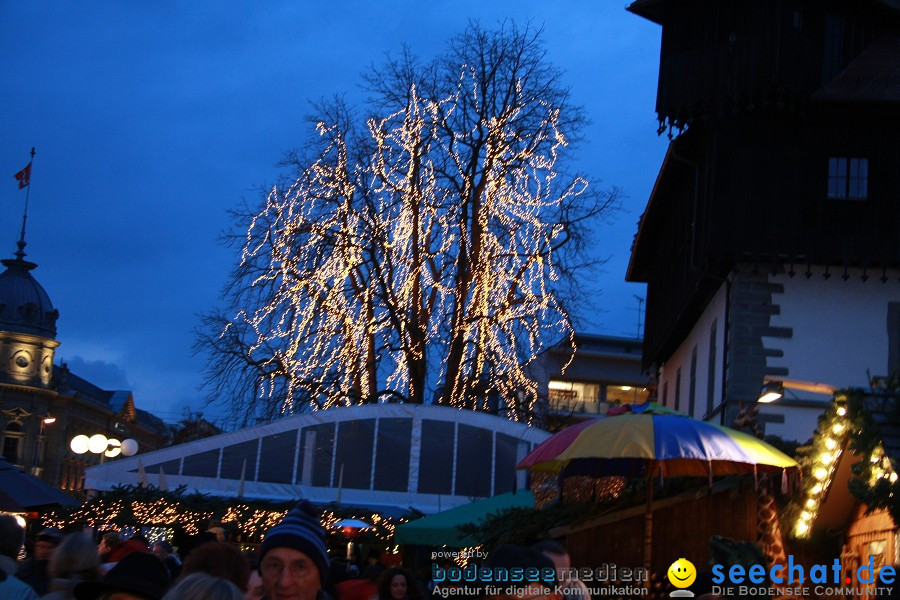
(682, 573)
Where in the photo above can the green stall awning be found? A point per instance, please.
(440, 529)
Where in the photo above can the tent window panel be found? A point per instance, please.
(392, 456)
(170, 467)
(316, 452)
(436, 460)
(473, 462)
(354, 454)
(277, 457)
(236, 456)
(505, 471)
(203, 464)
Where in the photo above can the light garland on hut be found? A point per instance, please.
(827, 448)
(836, 428)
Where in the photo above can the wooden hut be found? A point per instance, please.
(851, 483)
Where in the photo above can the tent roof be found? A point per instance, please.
(300, 457)
(22, 491)
(441, 529)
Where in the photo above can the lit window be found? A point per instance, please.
(626, 394)
(848, 178)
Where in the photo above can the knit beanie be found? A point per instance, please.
(300, 530)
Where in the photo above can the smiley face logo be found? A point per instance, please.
(682, 573)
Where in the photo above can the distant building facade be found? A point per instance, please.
(42, 405)
(605, 371)
(769, 244)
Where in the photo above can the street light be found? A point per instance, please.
(771, 391)
(351, 528)
(100, 444)
(79, 444)
(774, 389)
(48, 419)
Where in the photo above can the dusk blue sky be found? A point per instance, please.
(152, 119)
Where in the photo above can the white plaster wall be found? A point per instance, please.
(699, 338)
(839, 327)
(799, 422)
(839, 331)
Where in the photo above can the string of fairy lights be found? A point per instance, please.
(158, 518)
(827, 447)
(371, 264)
(837, 426)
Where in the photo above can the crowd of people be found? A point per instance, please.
(292, 563)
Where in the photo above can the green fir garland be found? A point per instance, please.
(874, 481)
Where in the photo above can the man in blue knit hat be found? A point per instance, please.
(293, 558)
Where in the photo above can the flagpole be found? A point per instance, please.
(21, 244)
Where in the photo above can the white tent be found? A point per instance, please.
(425, 457)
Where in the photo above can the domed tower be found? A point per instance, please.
(27, 325)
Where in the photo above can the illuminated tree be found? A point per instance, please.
(430, 249)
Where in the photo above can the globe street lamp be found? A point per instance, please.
(100, 444)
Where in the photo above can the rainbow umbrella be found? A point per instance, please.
(648, 440)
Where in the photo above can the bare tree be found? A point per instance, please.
(424, 251)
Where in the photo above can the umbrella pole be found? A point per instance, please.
(648, 526)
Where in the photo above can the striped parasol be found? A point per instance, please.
(649, 440)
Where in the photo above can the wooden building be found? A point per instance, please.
(769, 242)
(858, 441)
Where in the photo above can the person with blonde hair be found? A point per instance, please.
(201, 586)
(74, 561)
(12, 536)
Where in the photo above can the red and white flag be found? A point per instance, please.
(24, 176)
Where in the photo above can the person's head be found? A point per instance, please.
(219, 559)
(255, 589)
(218, 532)
(201, 586)
(509, 556)
(396, 584)
(138, 576)
(12, 536)
(108, 542)
(373, 557)
(75, 556)
(557, 553)
(46, 542)
(293, 558)
(161, 549)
